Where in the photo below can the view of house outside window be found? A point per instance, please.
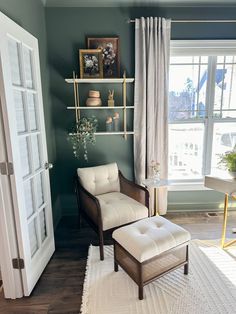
(202, 114)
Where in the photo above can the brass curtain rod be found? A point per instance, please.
(195, 21)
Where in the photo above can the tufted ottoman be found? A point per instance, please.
(150, 248)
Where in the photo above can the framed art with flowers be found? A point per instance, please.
(91, 63)
(110, 54)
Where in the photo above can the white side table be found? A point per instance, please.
(155, 185)
(221, 182)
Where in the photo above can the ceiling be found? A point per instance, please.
(115, 3)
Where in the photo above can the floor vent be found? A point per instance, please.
(212, 214)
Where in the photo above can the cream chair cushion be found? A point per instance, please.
(100, 179)
(119, 209)
(150, 237)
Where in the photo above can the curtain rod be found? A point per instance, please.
(195, 21)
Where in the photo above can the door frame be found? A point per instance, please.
(12, 282)
(21, 281)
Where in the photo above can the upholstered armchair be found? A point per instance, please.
(107, 200)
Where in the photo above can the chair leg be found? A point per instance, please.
(187, 259)
(101, 244)
(116, 267)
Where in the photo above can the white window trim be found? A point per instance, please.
(202, 48)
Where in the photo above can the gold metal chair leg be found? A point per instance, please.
(156, 210)
(225, 220)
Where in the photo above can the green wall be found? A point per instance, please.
(30, 14)
(67, 29)
(61, 33)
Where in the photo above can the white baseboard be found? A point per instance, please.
(178, 207)
(57, 212)
(69, 205)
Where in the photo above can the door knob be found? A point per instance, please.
(48, 165)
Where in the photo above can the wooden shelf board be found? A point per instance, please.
(99, 80)
(112, 133)
(103, 107)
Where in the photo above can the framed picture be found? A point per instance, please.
(91, 63)
(110, 54)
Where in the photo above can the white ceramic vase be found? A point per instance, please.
(156, 176)
(93, 102)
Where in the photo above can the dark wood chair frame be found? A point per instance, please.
(89, 207)
(139, 277)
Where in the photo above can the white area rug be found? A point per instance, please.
(210, 286)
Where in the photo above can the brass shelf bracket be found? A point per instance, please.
(124, 104)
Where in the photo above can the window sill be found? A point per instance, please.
(199, 186)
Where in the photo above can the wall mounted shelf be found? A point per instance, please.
(99, 80)
(77, 81)
(111, 133)
(101, 108)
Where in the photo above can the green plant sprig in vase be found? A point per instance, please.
(82, 134)
(229, 161)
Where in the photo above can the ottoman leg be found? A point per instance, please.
(140, 292)
(140, 283)
(186, 269)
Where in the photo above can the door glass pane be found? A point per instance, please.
(36, 151)
(32, 112)
(38, 180)
(33, 237)
(20, 113)
(224, 139)
(28, 67)
(28, 190)
(43, 228)
(13, 48)
(185, 150)
(24, 155)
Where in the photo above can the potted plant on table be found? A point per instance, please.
(229, 161)
(82, 134)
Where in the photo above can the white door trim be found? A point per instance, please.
(12, 283)
(34, 262)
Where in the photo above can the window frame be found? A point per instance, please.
(212, 48)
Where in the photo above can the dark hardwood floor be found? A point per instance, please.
(60, 288)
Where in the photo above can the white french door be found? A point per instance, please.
(23, 120)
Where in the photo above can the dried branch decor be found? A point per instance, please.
(83, 133)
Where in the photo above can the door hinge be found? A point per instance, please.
(6, 168)
(18, 263)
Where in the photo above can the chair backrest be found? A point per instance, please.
(100, 179)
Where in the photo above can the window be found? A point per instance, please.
(202, 107)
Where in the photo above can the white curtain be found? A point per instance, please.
(152, 47)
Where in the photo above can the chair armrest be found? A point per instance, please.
(135, 191)
(88, 203)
